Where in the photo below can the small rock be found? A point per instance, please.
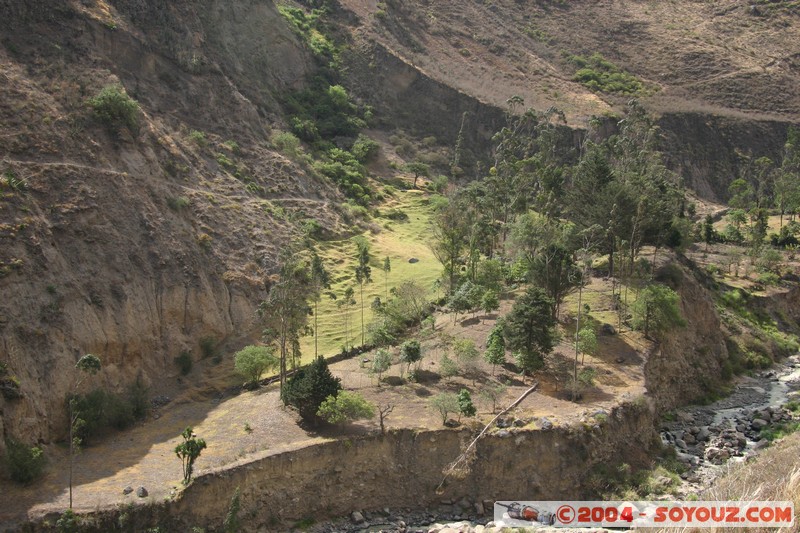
(465, 504)
(141, 492)
(684, 457)
(503, 422)
(503, 434)
(680, 443)
(689, 439)
(545, 423)
(759, 424)
(703, 434)
(357, 517)
(413, 260)
(479, 509)
(127, 490)
(760, 445)
(607, 329)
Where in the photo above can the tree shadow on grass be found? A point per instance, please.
(427, 376)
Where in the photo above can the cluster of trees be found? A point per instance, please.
(763, 188)
(318, 397)
(543, 210)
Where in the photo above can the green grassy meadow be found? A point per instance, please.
(400, 241)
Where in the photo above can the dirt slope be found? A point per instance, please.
(699, 56)
(721, 75)
(135, 243)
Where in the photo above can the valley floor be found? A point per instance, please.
(254, 423)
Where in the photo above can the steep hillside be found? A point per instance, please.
(138, 241)
(135, 242)
(720, 74)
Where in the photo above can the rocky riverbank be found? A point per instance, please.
(706, 438)
(734, 428)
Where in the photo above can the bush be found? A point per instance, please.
(198, 137)
(768, 278)
(208, 346)
(252, 361)
(365, 149)
(599, 74)
(309, 387)
(465, 405)
(184, 362)
(445, 403)
(24, 463)
(179, 203)
(287, 143)
(115, 108)
(410, 352)
(345, 407)
(138, 399)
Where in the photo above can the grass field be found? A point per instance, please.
(400, 241)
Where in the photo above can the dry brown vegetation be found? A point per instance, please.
(719, 56)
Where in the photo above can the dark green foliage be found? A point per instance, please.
(555, 271)
(323, 112)
(68, 522)
(410, 352)
(115, 108)
(99, 410)
(208, 346)
(138, 398)
(528, 329)
(9, 385)
(709, 234)
(188, 451)
(184, 362)
(365, 150)
(24, 463)
(465, 405)
(496, 347)
(346, 172)
(88, 363)
(419, 169)
(309, 387)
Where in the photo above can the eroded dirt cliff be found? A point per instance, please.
(135, 243)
